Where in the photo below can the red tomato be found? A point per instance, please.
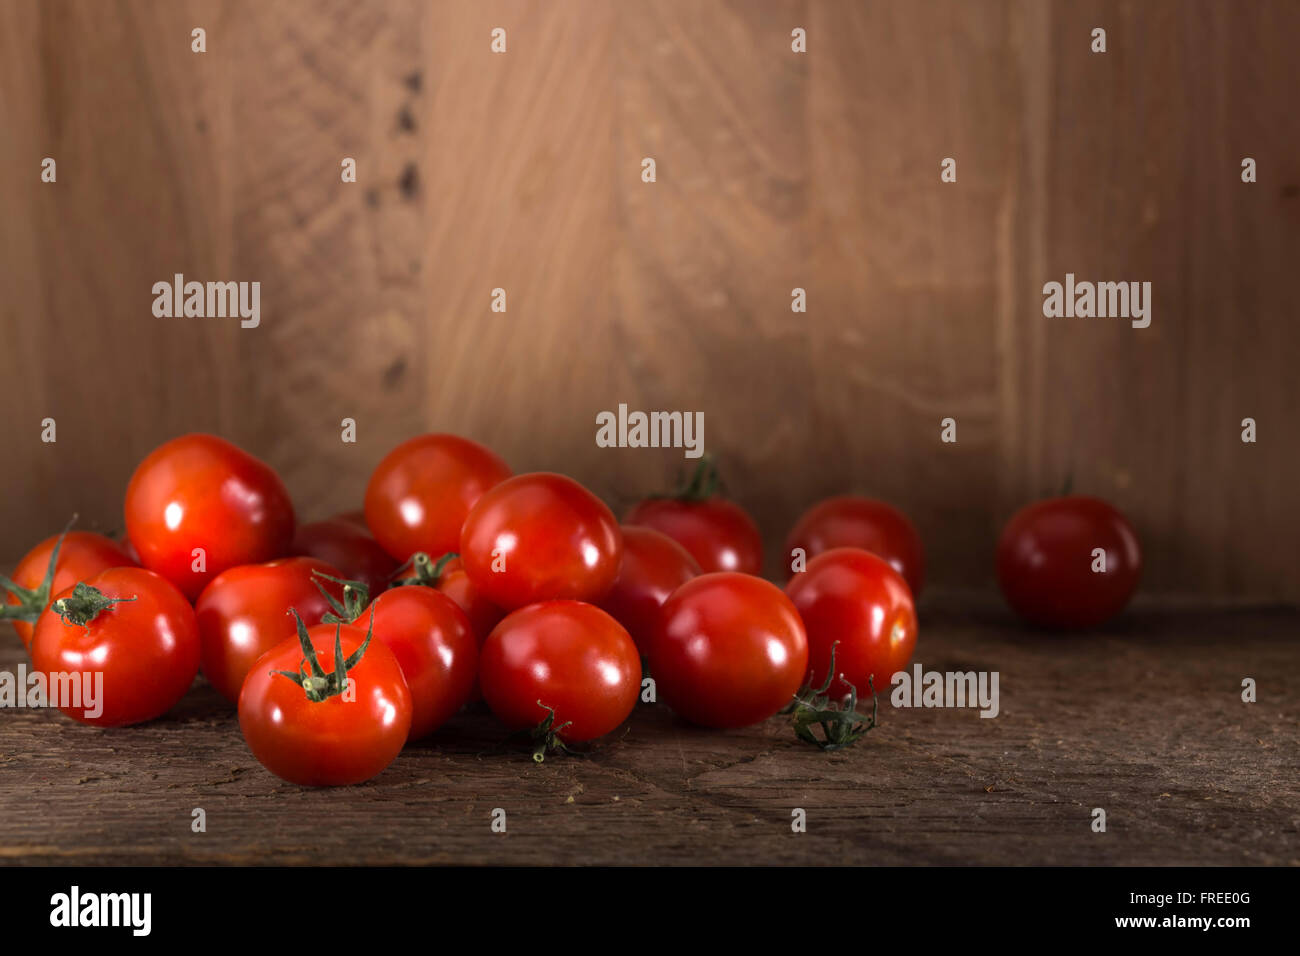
(731, 650)
(132, 629)
(1046, 563)
(433, 642)
(449, 577)
(455, 583)
(419, 495)
(848, 521)
(853, 597)
(244, 612)
(718, 533)
(573, 658)
(200, 491)
(339, 542)
(539, 537)
(82, 555)
(654, 565)
(330, 740)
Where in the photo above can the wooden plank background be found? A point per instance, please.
(775, 170)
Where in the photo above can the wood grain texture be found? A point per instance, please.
(1145, 721)
(775, 170)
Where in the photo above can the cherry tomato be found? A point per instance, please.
(483, 614)
(448, 576)
(82, 555)
(419, 495)
(318, 735)
(201, 492)
(854, 597)
(130, 629)
(573, 657)
(434, 644)
(244, 612)
(539, 537)
(340, 543)
(1049, 572)
(718, 533)
(731, 650)
(848, 521)
(654, 565)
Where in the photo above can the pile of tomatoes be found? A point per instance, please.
(341, 640)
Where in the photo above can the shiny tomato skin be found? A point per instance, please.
(419, 494)
(1045, 560)
(654, 565)
(434, 644)
(334, 742)
(340, 542)
(731, 650)
(571, 656)
(200, 491)
(718, 533)
(855, 598)
(483, 614)
(850, 521)
(540, 537)
(84, 554)
(244, 612)
(147, 649)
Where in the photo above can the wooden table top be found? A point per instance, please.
(1145, 721)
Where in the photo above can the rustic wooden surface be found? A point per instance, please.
(1144, 720)
(775, 170)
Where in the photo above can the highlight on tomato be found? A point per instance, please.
(126, 638)
(654, 565)
(419, 494)
(1068, 562)
(716, 531)
(430, 636)
(448, 575)
(327, 708)
(855, 602)
(198, 505)
(851, 521)
(565, 671)
(540, 537)
(346, 545)
(53, 566)
(244, 612)
(731, 650)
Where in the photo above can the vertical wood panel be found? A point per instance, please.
(905, 307)
(775, 170)
(709, 253)
(521, 199)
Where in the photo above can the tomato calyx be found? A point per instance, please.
(424, 570)
(318, 685)
(33, 601)
(546, 736)
(840, 721)
(356, 595)
(703, 484)
(84, 604)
